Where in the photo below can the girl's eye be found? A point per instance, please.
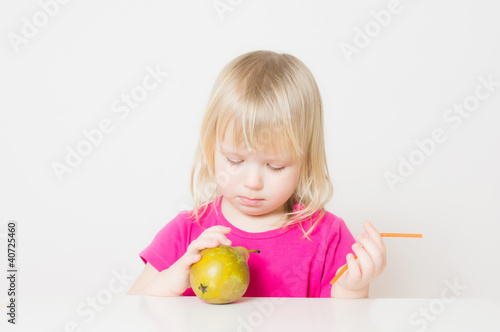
(236, 163)
(281, 169)
(233, 163)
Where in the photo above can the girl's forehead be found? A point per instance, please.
(264, 146)
(227, 146)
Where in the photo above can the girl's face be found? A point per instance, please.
(256, 183)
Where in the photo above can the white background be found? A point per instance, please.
(75, 233)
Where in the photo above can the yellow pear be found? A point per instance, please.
(221, 275)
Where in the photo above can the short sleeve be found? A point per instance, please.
(168, 245)
(340, 242)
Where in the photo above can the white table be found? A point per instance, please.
(144, 313)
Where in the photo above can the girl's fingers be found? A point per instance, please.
(199, 244)
(376, 254)
(365, 262)
(370, 249)
(217, 232)
(352, 268)
(218, 229)
(373, 234)
(339, 269)
(210, 238)
(192, 254)
(191, 259)
(219, 237)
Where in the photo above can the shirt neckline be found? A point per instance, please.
(238, 231)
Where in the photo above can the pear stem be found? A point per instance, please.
(256, 250)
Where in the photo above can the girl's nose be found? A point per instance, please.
(253, 179)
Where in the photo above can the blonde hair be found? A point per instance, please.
(272, 100)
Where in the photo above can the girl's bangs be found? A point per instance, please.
(256, 125)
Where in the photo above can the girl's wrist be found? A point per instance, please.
(162, 285)
(342, 293)
(175, 278)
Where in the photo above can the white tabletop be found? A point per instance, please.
(144, 313)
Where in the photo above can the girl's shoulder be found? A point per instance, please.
(333, 219)
(327, 219)
(207, 215)
(184, 224)
(329, 224)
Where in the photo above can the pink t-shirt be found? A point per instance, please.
(287, 265)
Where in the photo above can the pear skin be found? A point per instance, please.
(221, 275)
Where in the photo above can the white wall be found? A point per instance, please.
(64, 78)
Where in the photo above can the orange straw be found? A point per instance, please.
(399, 235)
(341, 272)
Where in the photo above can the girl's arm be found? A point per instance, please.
(154, 283)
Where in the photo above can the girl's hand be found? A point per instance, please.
(179, 271)
(371, 260)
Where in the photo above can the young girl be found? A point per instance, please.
(260, 180)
